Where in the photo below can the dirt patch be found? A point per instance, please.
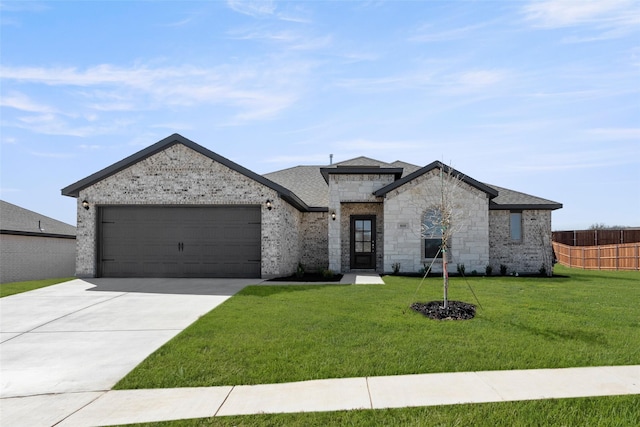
(456, 310)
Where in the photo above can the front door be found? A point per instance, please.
(363, 242)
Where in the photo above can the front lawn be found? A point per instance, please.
(274, 334)
(13, 288)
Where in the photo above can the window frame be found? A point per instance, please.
(520, 236)
(435, 240)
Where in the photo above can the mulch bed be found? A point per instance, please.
(308, 277)
(457, 310)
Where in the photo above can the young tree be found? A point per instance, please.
(444, 217)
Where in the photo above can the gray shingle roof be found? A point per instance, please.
(305, 181)
(510, 199)
(17, 220)
(308, 183)
(304, 187)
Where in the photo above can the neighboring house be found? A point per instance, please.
(177, 209)
(33, 246)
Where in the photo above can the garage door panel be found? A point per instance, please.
(142, 241)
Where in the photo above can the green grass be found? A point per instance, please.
(13, 288)
(275, 334)
(607, 411)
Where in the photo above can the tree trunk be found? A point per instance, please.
(445, 278)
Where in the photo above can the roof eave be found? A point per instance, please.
(529, 206)
(37, 234)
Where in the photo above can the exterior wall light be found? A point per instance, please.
(85, 204)
(333, 215)
(269, 205)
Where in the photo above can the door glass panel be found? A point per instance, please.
(363, 236)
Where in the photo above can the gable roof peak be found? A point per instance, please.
(491, 193)
(73, 190)
(361, 161)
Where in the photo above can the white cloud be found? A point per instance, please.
(254, 8)
(254, 91)
(51, 155)
(22, 102)
(429, 34)
(362, 145)
(609, 19)
(9, 140)
(90, 147)
(481, 78)
(578, 156)
(615, 133)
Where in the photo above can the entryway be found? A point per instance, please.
(363, 242)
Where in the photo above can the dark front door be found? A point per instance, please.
(363, 242)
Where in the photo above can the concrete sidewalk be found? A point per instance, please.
(139, 406)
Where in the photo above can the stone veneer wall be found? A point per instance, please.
(528, 255)
(179, 175)
(345, 189)
(404, 209)
(314, 241)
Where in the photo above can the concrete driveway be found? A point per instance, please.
(85, 335)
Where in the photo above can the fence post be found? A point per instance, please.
(598, 257)
(617, 256)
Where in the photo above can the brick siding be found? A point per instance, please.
(527, 256)
(179, 175)
(33, 258)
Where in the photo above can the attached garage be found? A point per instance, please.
(179, 241)
(177, 209)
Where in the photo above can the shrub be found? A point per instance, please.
(425, 270)
(542, 270)
(396, 267)
(503, 270)
(488, 270)
(300, 270)
(327, 273)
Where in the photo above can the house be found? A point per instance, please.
(33, 246)
(177, 209)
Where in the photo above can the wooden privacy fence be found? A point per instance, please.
(596, 237)
(605, 257)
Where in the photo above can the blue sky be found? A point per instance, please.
(541, 97)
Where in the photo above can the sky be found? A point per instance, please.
(541, 97)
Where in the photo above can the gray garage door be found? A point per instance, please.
(152, 241)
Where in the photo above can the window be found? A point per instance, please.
(515, 226)
(432, 234)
